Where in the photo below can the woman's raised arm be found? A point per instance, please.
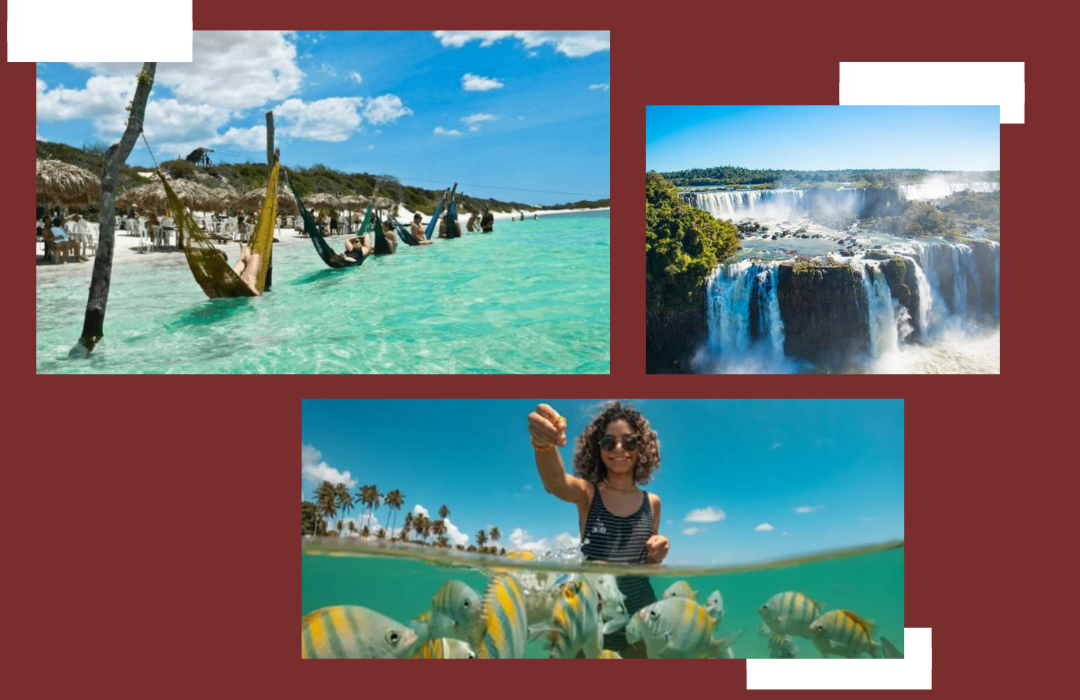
(548, 431)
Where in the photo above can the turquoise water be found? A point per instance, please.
(871, 584)
(532, 298)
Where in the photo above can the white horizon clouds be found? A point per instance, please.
(453, 534)
(705, 515)
(521, 540)
(474, 121)
(314, 468)
(332, 119)
(802, 510)
(600, 86)
(691, 531)
(574, 44)
(439, 131)
(479, 83)
(385, 109)
(356, 77)
(764, 527)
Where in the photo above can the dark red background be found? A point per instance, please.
(137, 523)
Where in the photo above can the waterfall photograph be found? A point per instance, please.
(825, 239)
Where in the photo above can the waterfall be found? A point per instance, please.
(729, 292)
(883, 322)
(997, 280)
(959, 283)
(925, 296)
(776, 204)
(928, 191)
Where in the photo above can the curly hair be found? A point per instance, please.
(587, 462)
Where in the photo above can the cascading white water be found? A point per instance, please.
(997, 280)
(926, 301)
(927, 191)
(756, 204)
(959, 282)
(728, 294)
(882, 319)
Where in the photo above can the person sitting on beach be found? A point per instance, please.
(58, 240)
(618, 522)
(536, 217)
(248, 267)
(487, 221)
(470, 226)
(333, 224)
(357, 248)
(417, 231)
(442, 226)
(391, 237)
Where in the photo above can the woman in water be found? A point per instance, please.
(619, 522)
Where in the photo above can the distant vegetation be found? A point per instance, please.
(952, 217)
(318, 178)
(682, 246)
(808, 179)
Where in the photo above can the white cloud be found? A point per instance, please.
(232, 70)
(690, 531)
(333, 119)
(807, 509)
(565, 540)
(475, 120)
(439, 131)
(328, 69)
(453, 534)
(764, 527)
(705, 515)
(570, 43)
(521, 540)
(355, 77)
(479, 83)
(384, 109)
(251, 139)
(317, 470)
(600, 86)
(420, 510)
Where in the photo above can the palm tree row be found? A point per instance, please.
(331, 499)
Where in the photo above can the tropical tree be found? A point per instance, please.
(365, 532)
(407, 525)
(470, 548)
(459, 547)
(340, 526)
(444, 512)
(420, 525)
(381, 534)
(443, 542)
(495, 534)
(344, 501)
(309, 518)
(481, 538)
(403, 535)
(326, 501)
(394, 500)
(352, 528)
(503, 551)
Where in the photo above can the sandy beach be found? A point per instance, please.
(126, 249)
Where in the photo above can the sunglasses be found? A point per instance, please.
(629, 443)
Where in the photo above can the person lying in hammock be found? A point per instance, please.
(248, 267)
(357, 248)
(391, 237)
(417, 232)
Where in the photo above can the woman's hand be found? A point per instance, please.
(547, 427)
(657, 547)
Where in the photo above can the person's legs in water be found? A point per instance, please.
(251, 272)
(245, 256)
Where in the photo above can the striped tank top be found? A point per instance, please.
(614, 538)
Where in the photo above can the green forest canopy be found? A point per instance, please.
(732, 175)
(682, 246)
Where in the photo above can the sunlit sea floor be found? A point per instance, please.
(532, 298)
(869, 584)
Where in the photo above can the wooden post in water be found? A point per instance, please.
(270, 166)
(94, 321)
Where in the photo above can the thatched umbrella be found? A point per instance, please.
(323, 201)
(354, 200)
(383, 203)
(195, 197)
(253, 199)
(61, 183)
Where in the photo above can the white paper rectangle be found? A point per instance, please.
(103, 30)
(936, 84)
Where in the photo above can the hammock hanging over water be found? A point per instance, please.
(210, 268)
(435, 217)
(316, 235)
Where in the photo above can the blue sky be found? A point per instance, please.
(822, 137)
(728, 468)
(491, 110)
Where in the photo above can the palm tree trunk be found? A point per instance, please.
(94, 322)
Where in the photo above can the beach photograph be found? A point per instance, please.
(343, 202)
(825, 239)
(602, 529)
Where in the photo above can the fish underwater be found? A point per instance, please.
(790, 613)
(781, 646)
(680, 589)
(455, 613)
(843, 633)
(503, 629)
(678, 628)
(353, 632)
(444, 649)
(608, 654)
(575, 622)
(715, 607)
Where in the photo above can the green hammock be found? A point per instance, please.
(210, 268)
(323, 248)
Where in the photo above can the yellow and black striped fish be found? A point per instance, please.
(444, 649)
(782, 647)
(790, 613)
(608, 654)
(678, 628)
(503, 626)
(352, 632)
(575, 622)
(843, 633)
